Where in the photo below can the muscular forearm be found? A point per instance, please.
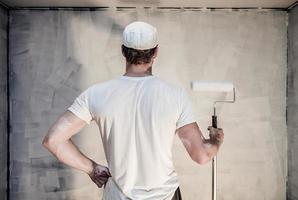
(201, 150)
(68, 153)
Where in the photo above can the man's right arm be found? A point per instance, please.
(201, 150)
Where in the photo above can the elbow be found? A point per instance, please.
(204, 160)
(201, 158)
(47, 142)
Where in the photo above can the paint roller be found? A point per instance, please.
(214, 86)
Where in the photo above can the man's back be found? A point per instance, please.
(137, 119)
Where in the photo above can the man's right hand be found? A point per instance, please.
(100, 174)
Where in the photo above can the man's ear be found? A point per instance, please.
(155, 52)
(122, 50)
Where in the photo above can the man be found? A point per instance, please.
(137, 115)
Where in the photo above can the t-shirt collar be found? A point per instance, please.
(136, 77)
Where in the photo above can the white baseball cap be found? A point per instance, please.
(140, 35)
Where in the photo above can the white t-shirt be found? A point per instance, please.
(137, 118)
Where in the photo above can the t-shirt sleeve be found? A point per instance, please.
(185, 109)
(81, 106)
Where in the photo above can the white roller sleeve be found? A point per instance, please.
(215, 86)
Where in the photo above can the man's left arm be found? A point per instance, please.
(58, 142)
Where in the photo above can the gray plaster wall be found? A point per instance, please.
(292, 105)
(55, 55)
(3, 102)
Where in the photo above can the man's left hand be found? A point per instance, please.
(100, 174)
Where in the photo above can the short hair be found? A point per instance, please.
(136, 56)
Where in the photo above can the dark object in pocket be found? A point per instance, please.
(177, 195)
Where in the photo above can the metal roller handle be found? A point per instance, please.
(214, 163)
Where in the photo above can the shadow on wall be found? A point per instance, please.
(3, 102)
(292, 104)
(51, 56)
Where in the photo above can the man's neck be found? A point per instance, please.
(138, 70)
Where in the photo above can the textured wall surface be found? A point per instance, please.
(292, 105)
(57, 54)
(3, 102)
(162, 3)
